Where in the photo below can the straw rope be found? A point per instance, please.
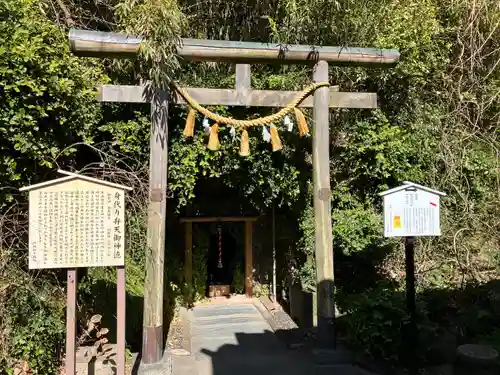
(242, 124)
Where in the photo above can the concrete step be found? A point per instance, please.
(221, 310)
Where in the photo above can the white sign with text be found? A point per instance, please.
(411, 210)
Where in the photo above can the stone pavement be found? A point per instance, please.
(235, 339)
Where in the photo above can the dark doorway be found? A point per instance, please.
(221, 258)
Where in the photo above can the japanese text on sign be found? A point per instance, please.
(411, 213)
(76, 224)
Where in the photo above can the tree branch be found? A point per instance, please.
(67, 14)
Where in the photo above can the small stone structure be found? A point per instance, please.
(476, 359)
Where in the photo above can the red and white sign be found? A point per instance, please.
(411, 210)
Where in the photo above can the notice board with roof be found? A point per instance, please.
(411, 210)
(76, 221)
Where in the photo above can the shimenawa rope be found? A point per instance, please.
(221, 120)
(213, 141)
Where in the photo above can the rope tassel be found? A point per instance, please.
(213, 139)
(301, 122)
(275, 138)
(244, 146)
(190, 120)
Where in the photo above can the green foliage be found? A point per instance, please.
(492, 338)
(356, 229)
(307, 268)
(97, 291)
(262, 178)
(238, 284)
(260, 290)
(36, 323)
(424, 52)
(47, 94)
(200, 274)
(377, 152)
(161, 23)
(374, 321)
(272, 178)
(128, 138)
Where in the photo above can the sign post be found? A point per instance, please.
(411, 210)
(412, 331)
(78, 221)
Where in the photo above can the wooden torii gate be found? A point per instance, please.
(103, 44)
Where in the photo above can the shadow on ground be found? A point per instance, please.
(256, 353)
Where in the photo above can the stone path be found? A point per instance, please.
(234, 339)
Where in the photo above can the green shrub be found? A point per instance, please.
(200, 273)
(372, 321)
(47, 94)
(36, 320)
(238, 284)
(260, 290)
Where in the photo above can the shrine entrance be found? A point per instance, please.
(222, 257)
(324, 97)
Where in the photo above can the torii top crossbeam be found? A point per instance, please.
(105, 44)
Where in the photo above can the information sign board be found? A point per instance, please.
(411, 210)
(76, 221)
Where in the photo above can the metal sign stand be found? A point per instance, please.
(411, 339)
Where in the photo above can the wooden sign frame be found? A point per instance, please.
(72, 182)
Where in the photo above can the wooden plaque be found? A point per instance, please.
(76, 222)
